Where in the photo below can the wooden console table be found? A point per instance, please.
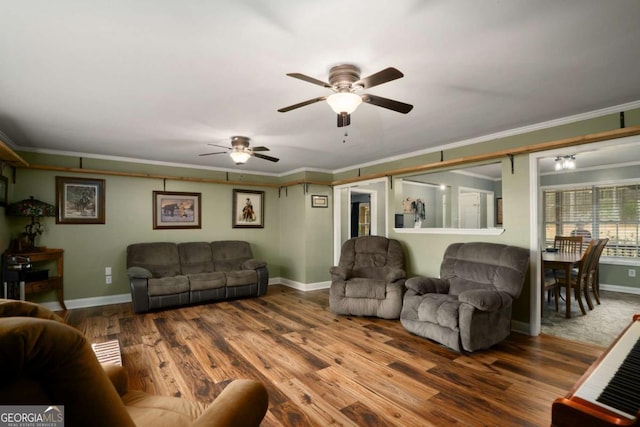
(53, 282)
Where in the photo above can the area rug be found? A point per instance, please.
(599, 326)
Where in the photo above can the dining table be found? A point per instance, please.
(561, 261)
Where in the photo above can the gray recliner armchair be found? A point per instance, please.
(469, 307)
(369, 278)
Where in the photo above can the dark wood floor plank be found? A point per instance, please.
(324, 369)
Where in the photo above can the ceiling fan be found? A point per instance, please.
(345, 81)
(240, 151)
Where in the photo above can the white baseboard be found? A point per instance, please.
(124, 298)
(623, 289)
(299, 285)
(89, 302)
(521, 327)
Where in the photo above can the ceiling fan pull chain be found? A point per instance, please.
(345, 137)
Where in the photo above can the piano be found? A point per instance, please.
(608, 394)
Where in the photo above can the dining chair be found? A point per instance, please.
(568, 243)
(561, 244)
(550, 284)
(593, 283)
(579, 280)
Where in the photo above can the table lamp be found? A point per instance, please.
(35, 209)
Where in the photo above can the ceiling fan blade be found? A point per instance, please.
(259, 149)
(221, 146)
(309, 79)
(384, 76)
(210, 154)
(302, 104)
(262, 156)
(398, 106)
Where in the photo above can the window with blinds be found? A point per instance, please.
(611, 211)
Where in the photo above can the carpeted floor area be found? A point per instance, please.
(600, 326)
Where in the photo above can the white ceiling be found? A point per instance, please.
(159, 80)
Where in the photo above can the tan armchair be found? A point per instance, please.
(43, 361)
(369, 278)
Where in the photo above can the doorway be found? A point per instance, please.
(359, 209)
(360, 214)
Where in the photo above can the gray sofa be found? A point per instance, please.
(164, 274)
(469, 307)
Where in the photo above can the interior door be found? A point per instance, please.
(469, 210)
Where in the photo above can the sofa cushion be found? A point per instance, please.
(440, 309)
(241, 277)
(202, 281)
(195, 257)
(229, 255)
(359, 287)
(160, 258)
(168, 285)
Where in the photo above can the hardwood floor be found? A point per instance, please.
(323, 369)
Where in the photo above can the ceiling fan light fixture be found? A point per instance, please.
(239, 157)
(344, 102)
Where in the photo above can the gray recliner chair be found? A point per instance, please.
(369, 278)
(469, 307)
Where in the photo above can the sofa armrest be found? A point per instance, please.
(139, 272)
(339, 273)
(253, 264)
(427, 285)
(118, 377)
(241, 403)
(139, 294)
(486, 300)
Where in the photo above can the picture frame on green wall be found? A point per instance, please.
(176, 209)
(248, 209)
(80, 200)
(319, 201)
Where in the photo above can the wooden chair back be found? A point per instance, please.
(568, 243)
(592, 273)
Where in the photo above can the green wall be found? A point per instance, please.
(89, 248)
(297, 240)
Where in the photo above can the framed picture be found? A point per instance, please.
(4, 190)
(176, 210)
(80, 200)
(248, 209)
(499, 210)
(319, 201)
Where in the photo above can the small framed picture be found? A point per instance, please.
(248, 209)
(319, 201)
(80, 200)
(176, 210)
(4, 190)
(499, 211)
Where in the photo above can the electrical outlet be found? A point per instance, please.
(107, 271)
(107, 280)
(632, 272)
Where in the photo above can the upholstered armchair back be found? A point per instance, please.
(371, 257)
(480, 265)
